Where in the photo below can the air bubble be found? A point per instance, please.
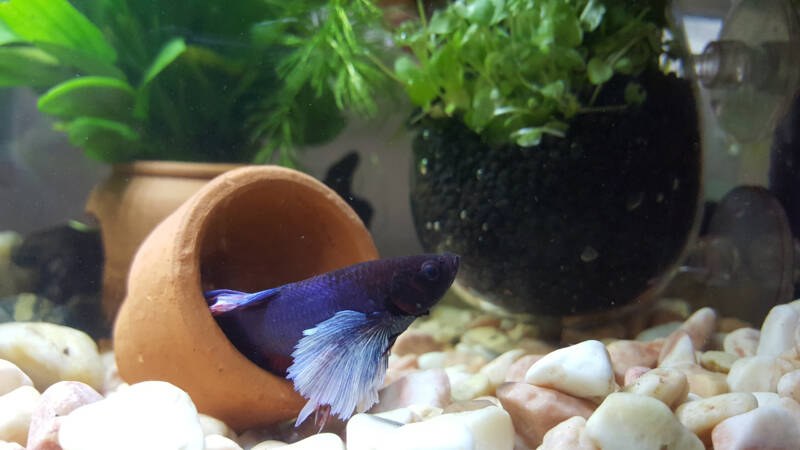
(423, 166)
(485, 226)
(428, 225)
(463, 214)
(437, 226)
(479, 174)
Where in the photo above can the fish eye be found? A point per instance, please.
(430, 270)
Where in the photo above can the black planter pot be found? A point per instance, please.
(576, 224)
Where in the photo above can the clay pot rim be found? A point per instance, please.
(180, 169)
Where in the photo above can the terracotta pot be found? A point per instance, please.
(251, 228)
(130, 203)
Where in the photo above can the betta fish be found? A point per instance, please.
(331, 334)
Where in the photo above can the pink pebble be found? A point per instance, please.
(57, 401)
(635, 372)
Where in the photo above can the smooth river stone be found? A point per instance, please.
(415, 342)
(56, 402)
(367, 431)
(427, 387)
(700, 326)
(638, 422)
(778, 330)
(789, 385)
(678, 349)
(484, 429)
(148, 415)
(497, 368)
(765, 427)
(10, 446)
(582, 370)
(742, 342)
(569, 434)
(625, 354)
(517, 370)
(12, 377)
(668, 385)
(16, 410)
(535, 410)
(757, 373)
(702, 382)
(219, 442)
(717, 361)
(49, 353)
(701, 416)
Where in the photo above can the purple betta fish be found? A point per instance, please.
(331, 334)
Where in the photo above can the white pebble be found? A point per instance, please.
(701, 416)
(472, 387)
(431, 360)
(668, 385)
(489, 428)
(322, 441)
(218, 442)
(757, 374)
(678, 349)
(581, 370)
(153, 415)
(777, 332)
(49, 353)
(367, 431)
(762, 428)
(742, 342)
(789, 385)
(427, 387)
(638, 422)
(12, 377)
(16, 410)
(497, 368)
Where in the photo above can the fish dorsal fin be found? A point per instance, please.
(224, 300)
(342, 361)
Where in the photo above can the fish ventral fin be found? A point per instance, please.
(223, 300)
(342, 361)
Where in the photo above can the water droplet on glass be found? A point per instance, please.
(634, 201)
(485, 226)
(463, 214)
(428, 225)
(403, 35)
(437, 226)
(589, 254)
(479, 174)
(423, 166)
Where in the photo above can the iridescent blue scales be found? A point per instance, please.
(331, 334)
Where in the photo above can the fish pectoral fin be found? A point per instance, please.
(223, 300)
(342, 361)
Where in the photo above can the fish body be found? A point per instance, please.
(331, 334)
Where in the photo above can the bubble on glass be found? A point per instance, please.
(485, 226)
(426, 134)
(676, 183)
(463, 214)
(589, 254)
(428, 225)
(479, 174)
(659, 197)
(437, 226)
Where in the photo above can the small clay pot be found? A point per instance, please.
(130, 203)
(249, 229)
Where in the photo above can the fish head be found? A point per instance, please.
(419, 281)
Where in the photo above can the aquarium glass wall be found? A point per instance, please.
(399, 224)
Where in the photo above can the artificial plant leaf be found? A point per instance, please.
(104, 140)
(168, 53)
(270, 32)
(83, 61)
(635, 93)
(89, 96)
(528, 137)
(7, 36)
(599, 71)
(56, 22)
(420, 89)
(479, 11)
(592, 15)
(29, 66)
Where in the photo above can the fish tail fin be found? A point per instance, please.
(223, 300)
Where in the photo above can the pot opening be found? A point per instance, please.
(276, 231)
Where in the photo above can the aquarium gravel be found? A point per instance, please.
(456, 379)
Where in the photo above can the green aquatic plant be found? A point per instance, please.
(515, 70)
(244, 81)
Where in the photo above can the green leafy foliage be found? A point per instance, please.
(181, 80)
(515, 70)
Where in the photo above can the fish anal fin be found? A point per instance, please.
(221, 301)
(341, 363)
